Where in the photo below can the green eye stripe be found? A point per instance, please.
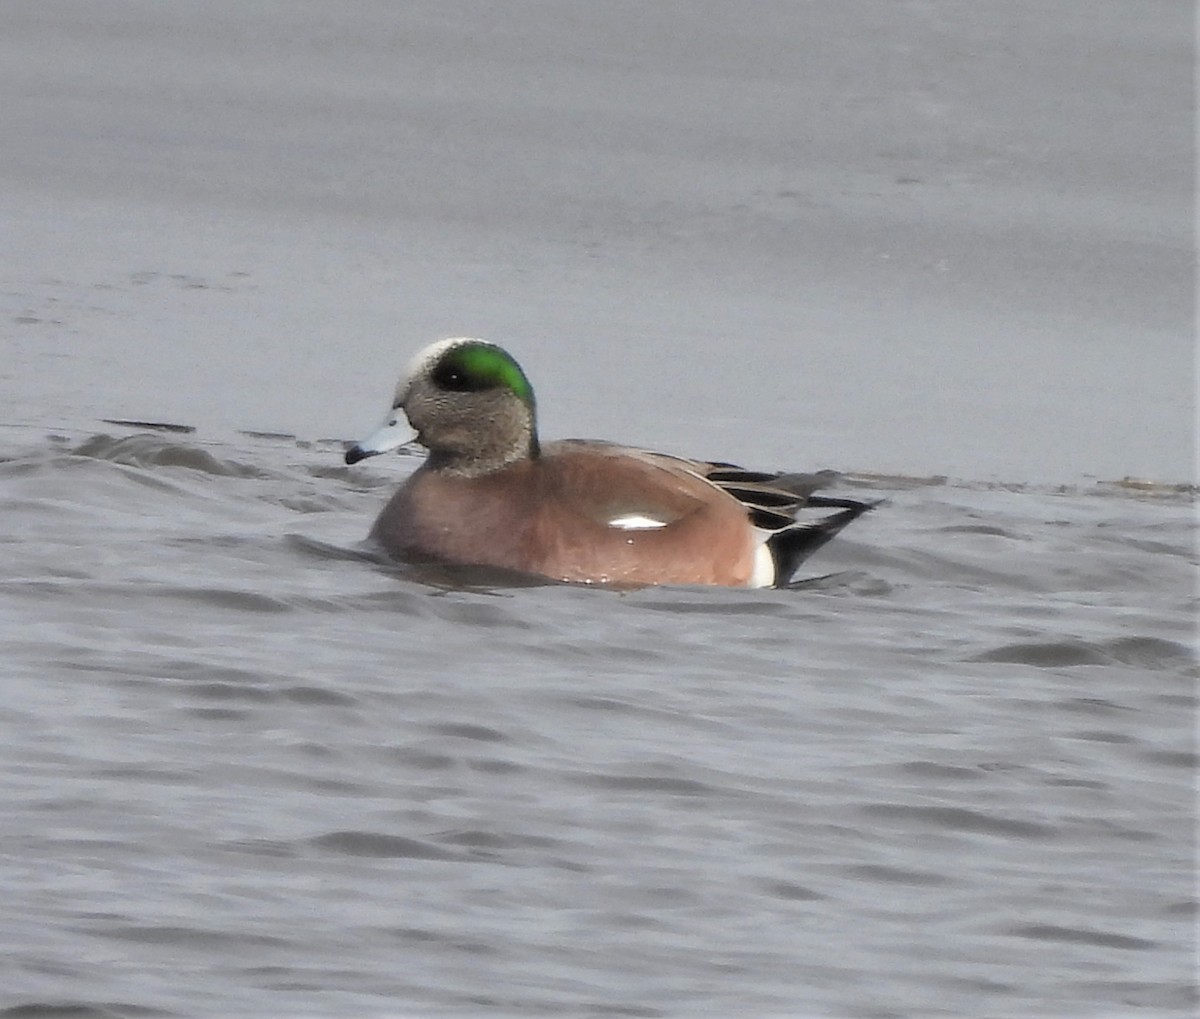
(493, 365)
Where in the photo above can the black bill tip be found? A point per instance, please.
(356, 453)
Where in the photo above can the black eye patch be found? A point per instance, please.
(459, 379)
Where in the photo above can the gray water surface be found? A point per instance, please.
(249, 769)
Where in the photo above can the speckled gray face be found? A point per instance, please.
(451, 387)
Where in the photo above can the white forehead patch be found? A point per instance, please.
(426, 358)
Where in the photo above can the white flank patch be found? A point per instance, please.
(636, 522)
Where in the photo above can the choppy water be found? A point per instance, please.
(250, 770)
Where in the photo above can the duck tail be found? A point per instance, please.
(792, 545)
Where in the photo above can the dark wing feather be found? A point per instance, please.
(773, 500)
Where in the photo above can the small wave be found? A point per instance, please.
(1080, 936)
(494, 841)
(1128, 487)
(1147, 652)
(985, 529)
(960, 819)
(167, 934)
(1046, 654)
(790, 891)
(463, 730)
(83, 1010)
(669, 784)
(364, 843)
(225, 597)
(1151, 652)
(147, 450)
(153, 426)
(897, 875)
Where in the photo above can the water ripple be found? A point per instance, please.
(960, 819)
(376, 844)
(1081, 936)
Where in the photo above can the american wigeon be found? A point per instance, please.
(491, 494)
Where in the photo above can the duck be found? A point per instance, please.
(490, 493)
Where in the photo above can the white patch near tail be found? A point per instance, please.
(764, 567)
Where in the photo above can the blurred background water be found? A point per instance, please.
(251, 769)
